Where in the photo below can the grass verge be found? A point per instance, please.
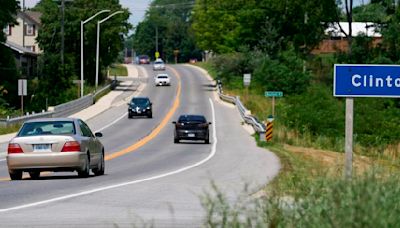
(9, 129)
(118, 70)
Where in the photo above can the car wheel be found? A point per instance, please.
(129, 116)
(34, 175)
(100, 169)
(85, 172)
(150, 115)
(207, 141)
(15, 175)
(176, 140)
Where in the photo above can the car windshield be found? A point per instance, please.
(47, 128)
(162, 76)
(192, 119)
(158, 62)
(139, 101)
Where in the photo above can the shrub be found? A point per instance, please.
(283, 74)
(315, 111)
(367, 201)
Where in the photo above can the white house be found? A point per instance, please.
(25, 32)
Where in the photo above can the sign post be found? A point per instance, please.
(22, 91)
(273, 94)
(246, 84)
(246, 79)
(362, 80)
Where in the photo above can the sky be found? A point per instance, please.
(137, 8)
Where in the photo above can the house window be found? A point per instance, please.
(32, 48)
(30, 30)
(7, 30)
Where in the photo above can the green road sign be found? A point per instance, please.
(273, 93)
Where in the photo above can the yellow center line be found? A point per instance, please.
(152, 134)
(156, 131)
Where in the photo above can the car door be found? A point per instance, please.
(90, 141)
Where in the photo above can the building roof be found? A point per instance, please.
(365, 28)
(33, 16)
(19, 48)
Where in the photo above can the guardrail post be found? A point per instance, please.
(262, 137)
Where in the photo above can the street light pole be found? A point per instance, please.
(97, 44)
(82, 23)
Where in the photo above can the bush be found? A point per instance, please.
(316, 112)
(367, 201)
(282, 74)
(376, 121)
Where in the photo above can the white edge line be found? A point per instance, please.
(109, 125)
(213, 152)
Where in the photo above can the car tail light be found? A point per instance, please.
(14, 148)
(71, 146)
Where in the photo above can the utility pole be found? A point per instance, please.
(62, 33)
(156, 38)
(23, 24)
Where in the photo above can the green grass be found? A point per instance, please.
(10, 129)
(208, 67)
(118, 70)
(366, 201)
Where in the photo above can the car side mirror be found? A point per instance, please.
(209, 123)
(98, 134)
(174, 122)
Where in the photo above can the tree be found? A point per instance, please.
(170, 21)
(372, 12)
(49, 38)
(225, 25)
(8, 71)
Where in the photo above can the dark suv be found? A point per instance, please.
(140, 106)
(192, 127)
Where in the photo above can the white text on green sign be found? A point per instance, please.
(273, 94)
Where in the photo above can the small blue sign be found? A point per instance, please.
(363, 80)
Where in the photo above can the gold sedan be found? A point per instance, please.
(55, 144)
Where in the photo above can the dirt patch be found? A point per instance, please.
(331, 160)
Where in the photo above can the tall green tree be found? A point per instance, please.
(225, 25)
(50, 36)
(8, 71)
(170, 21)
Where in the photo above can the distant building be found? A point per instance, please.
(21, 39)
(337, 40)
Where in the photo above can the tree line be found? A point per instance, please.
(59, 64)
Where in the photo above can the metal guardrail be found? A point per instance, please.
(244, 112)
(62, 110)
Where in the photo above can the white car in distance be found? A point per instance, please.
(159, 64)
(162, 79)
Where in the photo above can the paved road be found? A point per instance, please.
(155, 183)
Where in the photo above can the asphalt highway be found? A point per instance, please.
(149, 180)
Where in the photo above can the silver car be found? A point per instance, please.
(159, 65)
(55, 144)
